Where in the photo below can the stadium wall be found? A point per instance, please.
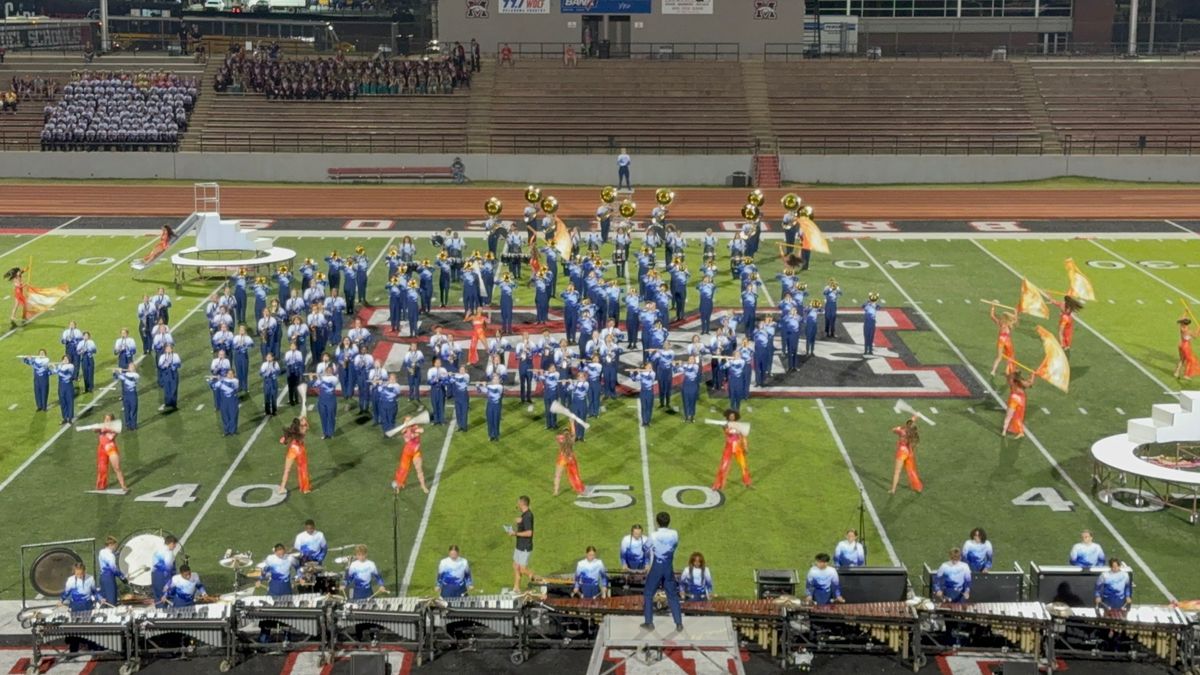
(598, 169)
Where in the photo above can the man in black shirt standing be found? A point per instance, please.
(522, 531)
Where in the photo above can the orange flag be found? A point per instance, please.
(1055, 368)
(38, 300)
(562, 238)
(1031, 301)
(1079, 286)
(813, 238)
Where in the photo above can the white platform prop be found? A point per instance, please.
(622, 645)
(222, 245)
(1116, 458)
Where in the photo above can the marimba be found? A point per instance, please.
(500, 614)
(378, 620)
(1021, 624)
(858, 627)
(1160, 630)
(759, 620)
(109, 628)
(186, 630)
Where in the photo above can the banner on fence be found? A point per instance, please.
(687, 6)
(524, 6)
(605, 6)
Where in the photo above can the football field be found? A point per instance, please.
(821, 448)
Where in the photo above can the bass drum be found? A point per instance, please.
(135, 557)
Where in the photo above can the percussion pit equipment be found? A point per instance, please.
(57, 629)
(186, 631)
(302, 618)
(379, 620)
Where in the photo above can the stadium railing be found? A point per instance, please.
(1163, 50)
(255, 141)
(607, 144)
(690, 51)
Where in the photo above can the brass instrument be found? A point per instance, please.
(493, 206)
(533, 195)
(756, 197)
(873, 296)
(628, 209)
(806, 211)
(791, 202)
(664, 197)
(816, 303)
(360, 250)
(608, 194)
(283, 269)
(393, 251)
(334, 254)
(550, 204)
(832, 283)
(750, 212)
(308, 261)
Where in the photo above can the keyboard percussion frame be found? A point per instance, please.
(205, 629)
(109, 628)
(393, 621)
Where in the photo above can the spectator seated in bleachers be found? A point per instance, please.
(120, 111)
(8, 102)
(336, 78)
(36, 88)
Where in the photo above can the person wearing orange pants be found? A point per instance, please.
(735, 448)
(297, 453)
(566, 460)
(1004, 342)
(108, 454)
(1188, 366)
(906, 455)
(410, 455)
(1014, 419)
(1066, 320)
(479, 322)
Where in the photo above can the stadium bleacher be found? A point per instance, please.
(120, 111)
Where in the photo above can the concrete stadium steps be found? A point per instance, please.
(936, 105)
(1168, 422)
(1035, 104)
(479, 112)
(1111, 104)
(645, 106)
(203, 108)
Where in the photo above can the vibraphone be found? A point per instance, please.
(389, 620)
(1022, 625)
(857, 627)
(503, 617)
(305, 618)
(202, 629)
(1160, 631)
(109, 628)
(620, 583)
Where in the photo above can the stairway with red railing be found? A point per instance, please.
(766, 171)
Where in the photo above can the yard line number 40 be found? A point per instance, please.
(181, 494)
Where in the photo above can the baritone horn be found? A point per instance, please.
(533, 194)
(791, 202)
(756, 197)
(806, 211)
(493, 206)
(628, 209)
(750, 212)
(608, 194)
(550, 204)
(664, 197)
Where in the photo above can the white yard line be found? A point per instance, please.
(1175, 224)
(862, 490)
(82, 286)
(1134, 362)
(646, 494)
(23, 244)
(420, 536)
(1143, 270)
(1083, 496)
(91, 404)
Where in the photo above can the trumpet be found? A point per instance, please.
(533, 195)
(608, 194)
(308, 261)
(664, 197)
(628, 209)
(550, 204)
(756, 197)
(334, 254)
(791, 201)
(360, 250)
(393, 251)
(832, 283)
(750, 212)
(493, 206)
(873, 296)
(283, 269)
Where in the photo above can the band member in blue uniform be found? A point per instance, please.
(578, 390)
(344, 355)
(362, 267)
(591, 577)
(283, 282)
(831, 292)
(168, 377)
(870, 310)
(109, 571)
(361, 573)
(550, 386)
(184, 589)
(65, 374)
(269, 370)
(977, 551)
(79, 592)
(412, 362)
(386, 407)
(335, 265)
(85, 351)
(326, 386)
(454, 575)
(736, 379)
(635, 550)
(849, 551)
(663, 543)
(226, 389)
(810, 325)
(162, 566)
(396, 290)
(1087, 553)
(460, 387)
(790, 323)
(311, 544)
(71, 336)
(293, 363)
(494, 391)
(277, 570)
(42, 368)
(437, 377)
(242, 343)
(128, 380)
(147, 313)
(695, 581)
(646, 378)
(1114, 588)
(822, 585)
(525, 352)
(162, 302)
(952, 581)
(125, 349)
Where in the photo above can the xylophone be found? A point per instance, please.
(891, 624)
(758, 620)
(403, 617)
(109, 628)
(1164, 631)
(306, 613)
(179, 630)
(1022, 624)
(500, 614)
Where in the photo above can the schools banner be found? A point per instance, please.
(605, 6)
(524, 6)
(687, 6)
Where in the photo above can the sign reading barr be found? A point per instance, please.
(605, 6)
(524, 6)
(687, 6)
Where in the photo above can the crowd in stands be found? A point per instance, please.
(337, 77)
(120, 111)
(35, 88)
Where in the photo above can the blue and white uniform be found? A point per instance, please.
(696, 583)
(41, 380)
(849, 554)
(359, 575)
(823, 585)
(182, 592)
(1087, 555)
(591, 578)
(454, 577)
(129, 399)
(312, 547)
(635, 553)
(80, 595)
(86, 358)
(162, 568)
(663, 543)
(953, 581)
(277, 571)
(109, 573)
(977, 555)
(1114, 589)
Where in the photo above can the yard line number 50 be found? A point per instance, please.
(607, 497)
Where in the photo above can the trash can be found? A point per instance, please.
(605, 49)
(739, 179)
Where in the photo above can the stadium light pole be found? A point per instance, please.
(103, 26)
(1153, 20)
(1133, 12)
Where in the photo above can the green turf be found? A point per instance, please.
(803, 497)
